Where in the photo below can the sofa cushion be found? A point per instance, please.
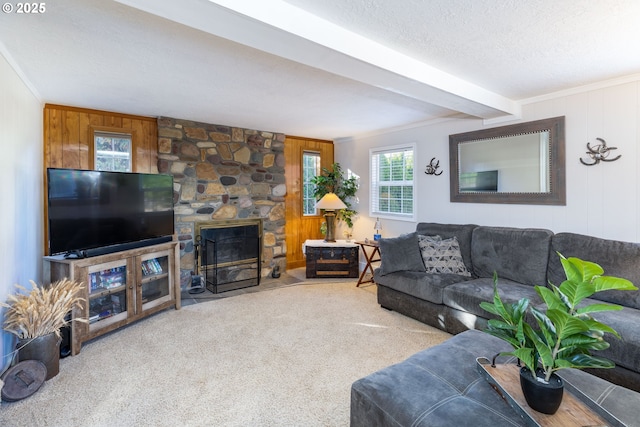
(461, 231)
(518, 254)
(400, 253)
(620, 259)
(442, 255)
(425, 286)
(467, 296)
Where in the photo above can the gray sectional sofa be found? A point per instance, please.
(448, 296)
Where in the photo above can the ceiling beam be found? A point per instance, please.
(281, 29)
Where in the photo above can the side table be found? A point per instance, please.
(370, 257)
(331, 259)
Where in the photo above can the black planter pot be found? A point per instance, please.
(45, 349)
(541, 397)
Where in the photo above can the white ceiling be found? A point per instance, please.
(318, 68)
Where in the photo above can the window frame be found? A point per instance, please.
(374, 210)
(318, 157)
(101, 130)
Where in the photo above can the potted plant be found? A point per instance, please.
(333, 181)
(36, 317)
(565, 335)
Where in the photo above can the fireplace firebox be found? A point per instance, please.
(229, 253)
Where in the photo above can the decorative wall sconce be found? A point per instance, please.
(432, 168)
(599, 152)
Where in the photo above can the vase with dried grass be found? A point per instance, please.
(36, 317)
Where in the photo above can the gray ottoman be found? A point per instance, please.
(441, 386)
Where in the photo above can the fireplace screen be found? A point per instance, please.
(230, 255)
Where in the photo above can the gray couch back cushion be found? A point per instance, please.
(400, 253)
(461, 231)
(621, 259)
(518, 254)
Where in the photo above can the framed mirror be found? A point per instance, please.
(520, 164)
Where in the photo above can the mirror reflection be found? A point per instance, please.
(521, 163)
(517, 164)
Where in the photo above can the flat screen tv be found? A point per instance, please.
(479, 181)
(94, 212)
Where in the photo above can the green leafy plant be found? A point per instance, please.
(333, 181)
(566, 332)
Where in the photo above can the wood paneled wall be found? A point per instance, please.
(68, 137)
(298, 227)
(68, 141)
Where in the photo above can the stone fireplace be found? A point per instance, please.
(228, 253)
(223, 173)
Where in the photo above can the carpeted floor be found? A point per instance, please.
(280, 357)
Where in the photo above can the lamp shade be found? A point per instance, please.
(330, 201)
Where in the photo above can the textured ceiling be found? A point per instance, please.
(516, 48)
(318, 68)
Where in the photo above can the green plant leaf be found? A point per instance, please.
(505, 336)
(526, 356)
(519, 309)
(576, 292)
(599, 328)
(580, 270)
(579, 279)
(565, 324)
(490, 308)
(605, 283)
(545, 352)
(582, 361)
(586, 346)
(547, 328)
(549, 297)
(500, 324)
(497, 301)
(580, 344)
(595, 308)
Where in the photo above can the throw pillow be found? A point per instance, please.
(442, 256)
(435, 238)
(400, 253)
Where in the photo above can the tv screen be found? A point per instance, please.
(96, 209)
(479, 181)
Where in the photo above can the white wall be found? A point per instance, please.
(602, 200)
(22, 196)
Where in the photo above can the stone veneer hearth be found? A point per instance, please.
(222, 173)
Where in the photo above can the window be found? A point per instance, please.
(310, 169)
(392, 182)
(112, 151)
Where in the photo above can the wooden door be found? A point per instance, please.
(301, 227)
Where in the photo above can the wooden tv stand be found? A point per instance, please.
(119, 288)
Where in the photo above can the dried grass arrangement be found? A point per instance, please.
(41, 311)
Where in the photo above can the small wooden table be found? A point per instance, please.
(370, 257)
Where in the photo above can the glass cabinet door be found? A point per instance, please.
(154, 285)
(107, 293)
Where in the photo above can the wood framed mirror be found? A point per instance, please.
(519, 164)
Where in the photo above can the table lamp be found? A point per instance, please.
(377, 226)
(330, 203)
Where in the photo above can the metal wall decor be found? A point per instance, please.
(432, 168)
(599, 152)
